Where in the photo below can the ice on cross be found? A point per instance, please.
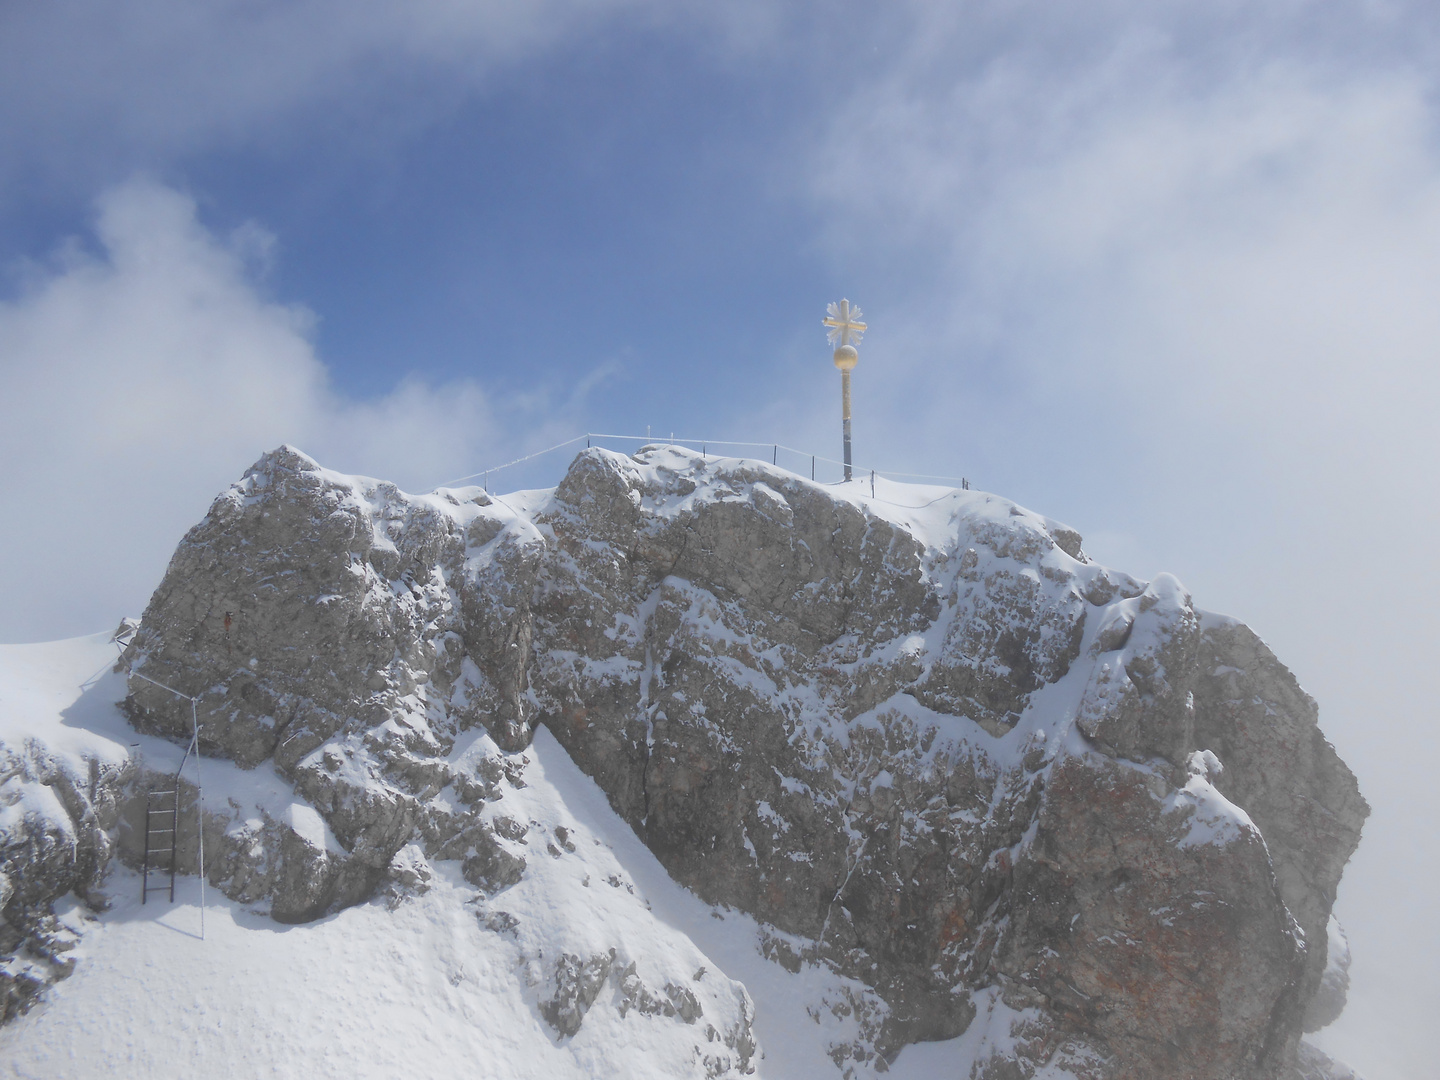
(844, 322)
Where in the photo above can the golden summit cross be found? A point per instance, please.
(845, 325)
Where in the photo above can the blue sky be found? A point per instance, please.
(625, 209)
(1166, 271)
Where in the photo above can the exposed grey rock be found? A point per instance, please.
(941, 750)
(54, 841)
(1278, 765)
(577, 984)
(410, 875)
(673, 1000)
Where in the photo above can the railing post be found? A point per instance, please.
(199, 813)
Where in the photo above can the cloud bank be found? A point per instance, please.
(1185, 299)
(95, 86)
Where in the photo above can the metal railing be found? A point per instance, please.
(590, 438)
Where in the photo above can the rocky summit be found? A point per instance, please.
(1000, 791)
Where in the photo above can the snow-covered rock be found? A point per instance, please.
(62, 786)
(997, 793)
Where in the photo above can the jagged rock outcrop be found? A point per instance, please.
(927, 740)
(57, 811)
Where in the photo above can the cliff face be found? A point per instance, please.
(922, 737)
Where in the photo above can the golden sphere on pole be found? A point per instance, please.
(846, 357)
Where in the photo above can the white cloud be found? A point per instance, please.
(138, 382)
(1195, 313)
(92, 86)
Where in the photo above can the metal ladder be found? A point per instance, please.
(161, 824)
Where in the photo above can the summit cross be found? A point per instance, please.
(844, 322)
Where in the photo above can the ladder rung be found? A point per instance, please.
(152, 832)
(160, 793)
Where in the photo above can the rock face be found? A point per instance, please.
(924, 738)
(57, 814)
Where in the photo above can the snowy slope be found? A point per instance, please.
(426, 989)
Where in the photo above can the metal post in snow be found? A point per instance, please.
(812, 467)
(872, 483)
(199, 811)
(775, 455)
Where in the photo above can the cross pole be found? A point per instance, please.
(845, 332)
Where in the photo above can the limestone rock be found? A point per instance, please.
(934, 746)
(56, 814)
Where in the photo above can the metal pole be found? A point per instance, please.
(845, 414)
(812, 466)
(775, 455)
(872, 483)
(199, 813)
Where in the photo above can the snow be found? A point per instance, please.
(62, 694)
(1212, 818)
(429, 988)
(1337, 953)
(995, 1030)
